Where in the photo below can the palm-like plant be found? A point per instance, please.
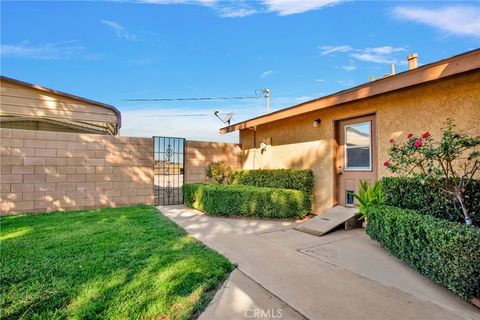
(368, 195)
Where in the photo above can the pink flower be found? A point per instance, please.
(386, 164)
(418, 143)
(410, 135)
(425, 135)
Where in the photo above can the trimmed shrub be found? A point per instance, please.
(444, 251)
(410, 193)
(277, 178)
(220, 200)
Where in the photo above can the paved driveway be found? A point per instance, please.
(287, 274)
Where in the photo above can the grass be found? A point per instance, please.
(104, 264)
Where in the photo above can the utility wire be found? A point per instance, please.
(177, 115)
(186, 115)
(196, 98)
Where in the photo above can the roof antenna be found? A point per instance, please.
(225, 120)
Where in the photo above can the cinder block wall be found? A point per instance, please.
(199, 154)
(45, 171)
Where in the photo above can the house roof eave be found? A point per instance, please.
(437, 70)
(67, 95)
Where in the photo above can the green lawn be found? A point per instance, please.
(124, 263)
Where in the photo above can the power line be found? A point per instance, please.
(178, 115)
(196, 98)
(187, 115)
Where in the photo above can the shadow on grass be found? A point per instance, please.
(110, 263)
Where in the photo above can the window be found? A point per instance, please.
(358, 155)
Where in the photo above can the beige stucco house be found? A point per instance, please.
(344, 137)
(29, 106)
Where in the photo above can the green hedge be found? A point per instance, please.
(276, 178)
(445, 251)
(248, 201)
(410, 193)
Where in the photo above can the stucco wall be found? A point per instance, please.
(45, 171)
(199, 154)
(295, 143)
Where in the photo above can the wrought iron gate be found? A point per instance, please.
(169, 170)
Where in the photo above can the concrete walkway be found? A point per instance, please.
(242, 298)
(342, 275)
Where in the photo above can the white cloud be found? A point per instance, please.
(384, 50)
(237, 9)
(320, 80)
(378, 55)
(463, 20)
(326, 50)
(46, 51)
(266, 74)
(303, 98)
(233, 12)
(376, 58)
(208, 3)
(348, 68)
(120, 30)
(288, 7)
(224, 9)
(385, 54)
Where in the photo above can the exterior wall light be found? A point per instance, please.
(264, 144)
(316, 122)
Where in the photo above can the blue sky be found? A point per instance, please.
(117, 50)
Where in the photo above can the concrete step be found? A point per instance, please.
(327, 221)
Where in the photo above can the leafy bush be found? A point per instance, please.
(448, 164)
(218, 171)
(411, 193)
(246, 201)
(277, 178)
(368, 195)
(444, 251)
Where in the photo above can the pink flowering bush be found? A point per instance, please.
(449, 164)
